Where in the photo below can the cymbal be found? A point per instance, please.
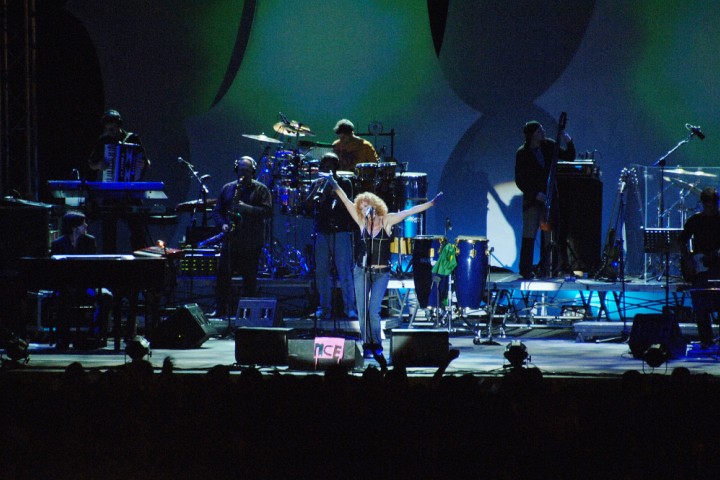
(682, 171)
(262, 138)
(293, 128)
(692, 187)
(310, 143)
(193, 205)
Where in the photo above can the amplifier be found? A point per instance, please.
(201, 262)
(579, 168)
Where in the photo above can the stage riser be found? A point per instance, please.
(591, 330)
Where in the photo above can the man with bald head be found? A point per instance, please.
(240, 213)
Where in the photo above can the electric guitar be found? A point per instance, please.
(611, 250)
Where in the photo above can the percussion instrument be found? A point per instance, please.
(291, 199)
(293, 128)
(471, 270)
(411, 190)
(425, 253)
(365, 176)
(262, 138)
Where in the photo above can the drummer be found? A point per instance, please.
(350, 148)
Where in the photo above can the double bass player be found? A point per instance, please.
(534, 161)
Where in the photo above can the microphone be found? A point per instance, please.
(695, 131)
(370, 212)
(284, 118)
(320, 194)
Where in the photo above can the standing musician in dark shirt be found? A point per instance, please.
(532, 168)
(115, 139)
(240, 213)
(372, 267)
(333, 229)
(701, 264)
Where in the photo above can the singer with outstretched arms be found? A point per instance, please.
(333, 236)
(372, 259)
(533, 161)
(240, 213)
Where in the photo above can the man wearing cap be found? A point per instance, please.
(532, 168)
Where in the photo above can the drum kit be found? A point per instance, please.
(289, 174)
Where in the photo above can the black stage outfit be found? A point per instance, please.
(333, 228)
(532, 168)
(114, 210)
(704, 230)
(371, 284)
(69, 297)
(243, 243)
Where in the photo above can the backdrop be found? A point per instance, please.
(455, 80)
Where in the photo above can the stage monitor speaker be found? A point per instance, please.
(419, 348)
(651, 328)
(187, 327)
(301, 353)
(262, 345)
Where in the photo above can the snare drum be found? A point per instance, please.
(471, 271)
(425, 253)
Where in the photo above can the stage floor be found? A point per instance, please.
(561, 340)
(553, 350)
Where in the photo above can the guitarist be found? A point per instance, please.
(701, 265)
(533, 161)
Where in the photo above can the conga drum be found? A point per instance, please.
(412, 188)
(365, 174)
(471, 270)
(426, 250)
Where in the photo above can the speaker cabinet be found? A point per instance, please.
(419, 348)
(188, 327)
(262, 345)
(652, 328)
(580, 228)
(30, 232)
(301, 353)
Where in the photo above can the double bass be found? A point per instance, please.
(549, 211)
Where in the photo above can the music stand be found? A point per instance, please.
(666, 241)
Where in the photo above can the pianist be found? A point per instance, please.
(76, 241)
(114, 141)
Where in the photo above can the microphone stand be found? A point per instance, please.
(661, 209)
(367, 284)
(203, 194)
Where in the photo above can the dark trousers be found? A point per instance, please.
(238, 258)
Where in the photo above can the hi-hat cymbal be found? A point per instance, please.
(293, 128)
(262, 138)
(194, 205)
(682, 171)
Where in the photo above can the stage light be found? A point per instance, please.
(137, 348)
(656, 355)
(516, 353)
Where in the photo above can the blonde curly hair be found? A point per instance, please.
(377, 203)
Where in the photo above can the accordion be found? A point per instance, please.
(125, 162)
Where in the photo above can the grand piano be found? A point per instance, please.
(124, 275)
